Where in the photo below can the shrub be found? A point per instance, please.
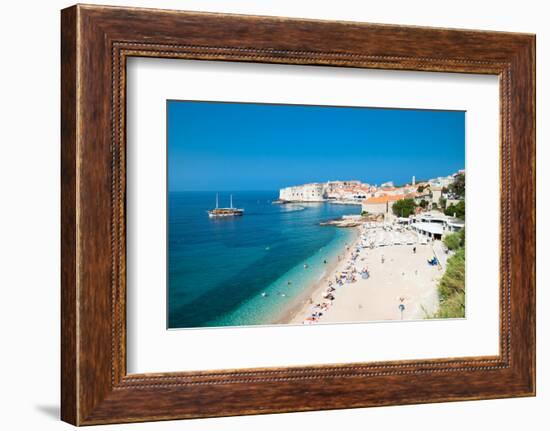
(404, 207)
(459, 210)
(454, 240)
(451, 287)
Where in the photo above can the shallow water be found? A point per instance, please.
(236, 271)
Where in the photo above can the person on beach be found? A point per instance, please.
(414, 250)
(382, 259)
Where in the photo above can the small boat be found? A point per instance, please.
(225, 212)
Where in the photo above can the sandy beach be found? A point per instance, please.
(400, 283)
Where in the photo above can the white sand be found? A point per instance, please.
(404, 278)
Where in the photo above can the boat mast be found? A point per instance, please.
(216, 201)
(230, 201)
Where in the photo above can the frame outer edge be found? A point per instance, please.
(523, 216)
(533, 54)
(87, 396)
(69, 201)
(532, 82)
(528, 61)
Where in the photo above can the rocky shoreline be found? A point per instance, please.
(343, 223)
(353, 221)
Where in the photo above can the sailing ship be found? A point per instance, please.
(225, 212)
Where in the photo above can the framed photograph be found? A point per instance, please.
(267, 215)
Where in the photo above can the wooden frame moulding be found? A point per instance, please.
(96, 41)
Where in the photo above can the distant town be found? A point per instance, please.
(418, 204)
(432, 194)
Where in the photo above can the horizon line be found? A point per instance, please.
(419, 180)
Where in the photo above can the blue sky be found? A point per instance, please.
(215, 146)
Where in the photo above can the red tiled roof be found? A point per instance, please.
(384, 199)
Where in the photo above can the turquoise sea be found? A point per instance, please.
(245, 270)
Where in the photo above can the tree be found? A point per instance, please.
(420, 188)
(458, 210)
(404, 207)
(424, 203)
(454, 240)
(458, 186)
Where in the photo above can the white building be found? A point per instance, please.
(342, 190)
(313, 192)
(442, 181)
(430, 230)
(435, 224)
(454, 224)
